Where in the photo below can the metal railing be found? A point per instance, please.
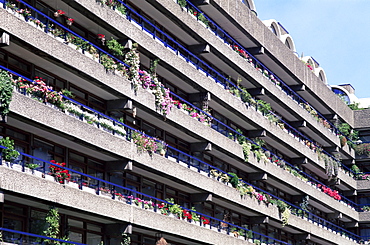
(291, 93)
(296, 132)
(232, 130)
(85, 181)
(180, 153)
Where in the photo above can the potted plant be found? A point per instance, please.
(70, 21)
(9, 154)
(59, 13)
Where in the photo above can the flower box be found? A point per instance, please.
(72, 46)
(107, 130)
(17, 167)
(72, 184)
(88, 189)
(49, 177)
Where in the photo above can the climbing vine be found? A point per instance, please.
(6, 92)
(53, 230)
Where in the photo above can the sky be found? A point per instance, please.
(336, 33)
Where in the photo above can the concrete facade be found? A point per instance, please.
(306, 183)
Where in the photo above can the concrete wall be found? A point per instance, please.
(253, 25)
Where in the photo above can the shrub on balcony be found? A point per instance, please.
(363, 149)
(115, 47)
(144, 143)
(182, 3)
(9, 154)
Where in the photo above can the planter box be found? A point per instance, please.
(72, 184)
(49, 177)
(88, 189)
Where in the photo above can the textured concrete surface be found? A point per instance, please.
(262, 35)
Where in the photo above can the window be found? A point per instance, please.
(88, 99)
(14, 219)
(50, 80)
(86, 165)
(47, 151)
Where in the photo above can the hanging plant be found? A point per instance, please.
(70, 21)
(133, 60)
(285, 217)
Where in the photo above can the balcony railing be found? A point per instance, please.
(101, 52)
(88, 113)
(230, 41)
(101, 120)
(10, 236)
(133, 197)
(348, 201)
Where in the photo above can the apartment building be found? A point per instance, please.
(172, 122)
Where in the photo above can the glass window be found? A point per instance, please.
(37, 222)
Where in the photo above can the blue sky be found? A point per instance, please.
(336, 33)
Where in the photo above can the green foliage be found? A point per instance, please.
(355, 106)
(53, 230)
(366, 208)
(32, 165)
(121, 9)
(182, 3)
(245, 96)
(240, 136)
(285, 217)
(246, 150)
(234, 181)
(107, 62)
(126, 239)
(345, 129)
(153, 66)
(264, 107)
(115, 47)
(175, 208)
(363, 149)
(355, 169)
(194, 216)
(6, 92)
(9, 154)
(203, 19)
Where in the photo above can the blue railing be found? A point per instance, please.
(216, 30)
(228, 128)
(20, 237)
(228, 81)
(67, 30)
(180, 153)
(114, 187)
(225, 81)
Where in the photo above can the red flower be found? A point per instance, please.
(101, 36)
(60, 12)
(205, 220)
